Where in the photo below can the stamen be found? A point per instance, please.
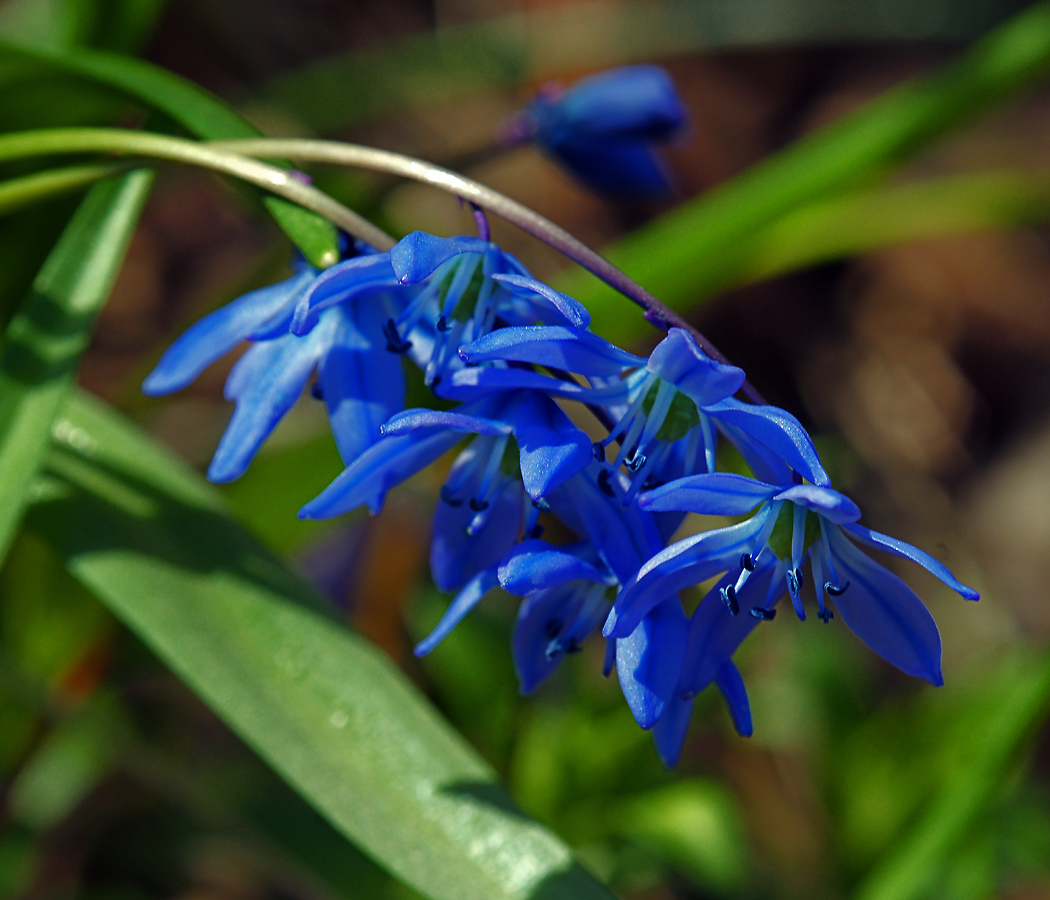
(316, 391)
(442, 324)
(766, 615)
(477, 505)
(636, 462)
(552, 629)
(603, 483)
(542, 505)
(449, 497)
(728, 594)
(795, 581)
(482, 222)
(834, 589)
(746, 562)
(599, 451)
(536, 532)
(394, 342)
(825, 615)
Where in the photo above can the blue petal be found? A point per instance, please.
(412, 420)
(265, 382)
(824, 501)
(535, 565)
(684, 563)
(217, 334)
(555, 346)
(637, 102)
(626, 170)
(571, 311)
(546, 615)
(906, 551)
(669, 733)
(679, 360)
(649, 661)
(362, 390)
(342, 283)
(884, 612)
(474, 383)
(623, 536)
(457, 555)
(416, 256)
(387, 463)
(732, 687)
(778, 430)
(551, 448)
(461, 604)
(713, 494)
(715, 634)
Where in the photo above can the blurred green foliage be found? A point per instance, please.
(894, 792)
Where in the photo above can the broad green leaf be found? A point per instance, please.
(323, 707)
(204, 115)
(529, 46)
(44, 341)
(700, 248)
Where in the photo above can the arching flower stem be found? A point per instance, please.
(528, 220)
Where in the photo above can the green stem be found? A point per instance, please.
(121, 142)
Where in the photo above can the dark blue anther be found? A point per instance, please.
(794, 578)
(552, 629)
(766, 615)
(728, 594)
(448, 497)
(636, 462)
(603, 483)
(825, 615)
(746, 562)
(599, 451)
(394, 343)
(478, 505)
(542, 505)
(537, 532)
(834, 589)
(443, 324)
(316, 391)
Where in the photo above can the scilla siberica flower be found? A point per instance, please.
(603, 129)
(762, 558)
(362, 385)
(508, 348)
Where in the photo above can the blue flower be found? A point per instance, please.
(603, 129)
(464, 287)
(792, 522)
(362, 385)
(665, 411)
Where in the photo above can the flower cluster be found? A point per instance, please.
(507, 355)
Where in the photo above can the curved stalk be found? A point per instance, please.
(528, 220)
(121, 142)
(17, 193)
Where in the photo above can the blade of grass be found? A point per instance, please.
(698, 249)
(1002, 722)
(323, 707)
(18, 193)
(43, 343)
(859, 223)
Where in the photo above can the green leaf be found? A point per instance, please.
(204, 115)
(701, 247)
(859, 223)
(18, 193)
(322, 706)
(44, 341)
